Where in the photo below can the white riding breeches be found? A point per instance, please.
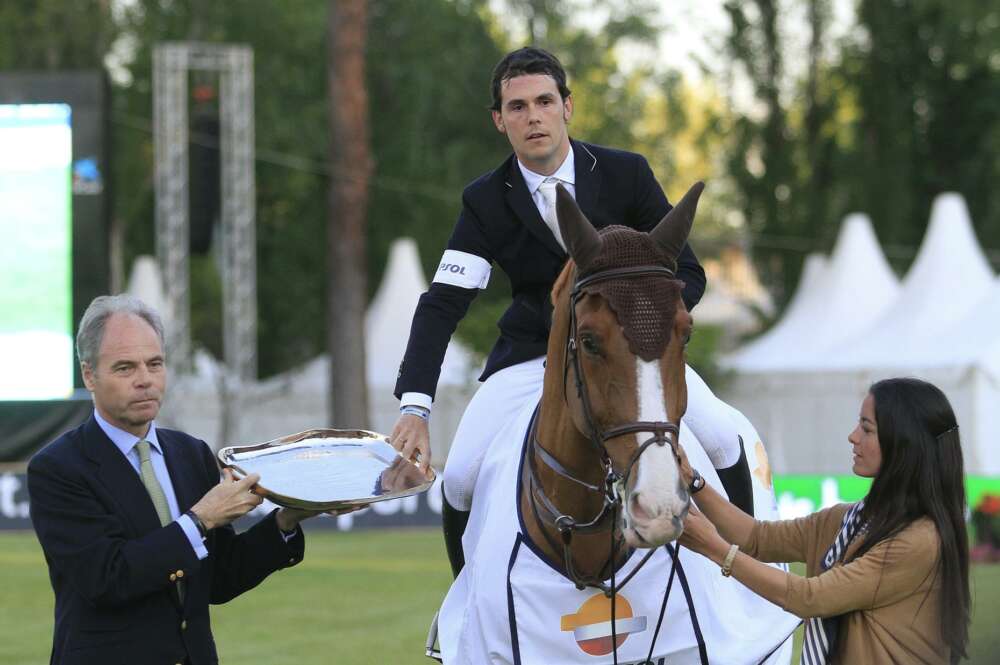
(501, 396)
(507, 392)
(714, 423)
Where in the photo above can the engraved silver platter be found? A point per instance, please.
(328, 469)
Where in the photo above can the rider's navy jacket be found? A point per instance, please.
(500, 224)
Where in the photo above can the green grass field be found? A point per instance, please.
(363, 597)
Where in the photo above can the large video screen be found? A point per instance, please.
(36, 301)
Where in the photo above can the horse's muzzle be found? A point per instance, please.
(645, 525)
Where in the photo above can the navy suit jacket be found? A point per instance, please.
(110, 562)
(501, 225)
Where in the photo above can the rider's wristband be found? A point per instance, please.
(414, 410)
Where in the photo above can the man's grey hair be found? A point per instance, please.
(95, 319)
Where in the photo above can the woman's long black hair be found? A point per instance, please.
(922, 475)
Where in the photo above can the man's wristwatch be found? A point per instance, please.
(198, 524)
(697, 483)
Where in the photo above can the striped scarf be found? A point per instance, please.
(821, 634)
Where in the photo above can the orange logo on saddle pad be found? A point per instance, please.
(591, 625)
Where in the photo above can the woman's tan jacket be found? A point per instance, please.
(890, 597)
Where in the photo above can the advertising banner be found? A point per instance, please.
(796, 495)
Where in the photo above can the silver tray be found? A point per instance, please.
(328, 469)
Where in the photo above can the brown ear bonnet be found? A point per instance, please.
(645, 305)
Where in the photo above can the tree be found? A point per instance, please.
(907, 107)
(347, 294)
(431, 134)
(926, 78)
(773, 163)
(52, 35)
(428, 136)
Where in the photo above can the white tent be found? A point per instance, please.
(949, 277)
(857, 279)
(944, 326)
(146, 284)
(793, 327)
(387, 323)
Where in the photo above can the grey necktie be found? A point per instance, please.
(152, 484)
(548, 191)
(155, 493)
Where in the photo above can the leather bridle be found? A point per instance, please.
(613, 486)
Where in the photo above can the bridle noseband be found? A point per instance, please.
(613, 485)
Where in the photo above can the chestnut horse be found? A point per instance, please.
(554, 571)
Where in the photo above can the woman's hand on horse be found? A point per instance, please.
(701, 536)
(687, 471)
(411, 437)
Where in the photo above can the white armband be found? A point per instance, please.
(463, 269)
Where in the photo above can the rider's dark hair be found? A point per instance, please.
(922, 476)
(527, 60)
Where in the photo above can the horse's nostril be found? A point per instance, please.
(636, 509)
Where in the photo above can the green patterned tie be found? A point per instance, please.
(152, 484)
(155, 493)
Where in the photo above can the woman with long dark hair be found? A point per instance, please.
(887, 578)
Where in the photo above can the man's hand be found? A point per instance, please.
(411, 437)
(227, 501)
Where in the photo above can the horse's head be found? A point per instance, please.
(619, 313)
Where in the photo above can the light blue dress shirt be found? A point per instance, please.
(125, 442)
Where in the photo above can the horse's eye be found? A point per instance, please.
(687, 338)
(589, 344)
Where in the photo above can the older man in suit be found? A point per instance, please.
(133, 518)
(508, 218)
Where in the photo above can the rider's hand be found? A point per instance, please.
(228, 500)
(411, 437)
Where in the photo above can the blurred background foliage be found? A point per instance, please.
(903, 106)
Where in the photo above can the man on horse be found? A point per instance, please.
(569, 546)
(508, 218)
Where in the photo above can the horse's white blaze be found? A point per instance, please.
(656, 470)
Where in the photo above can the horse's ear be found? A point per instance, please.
(582, 240)
(672, 231)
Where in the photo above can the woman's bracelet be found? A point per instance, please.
(727, 563)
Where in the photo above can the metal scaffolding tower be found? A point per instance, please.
(171, 63)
